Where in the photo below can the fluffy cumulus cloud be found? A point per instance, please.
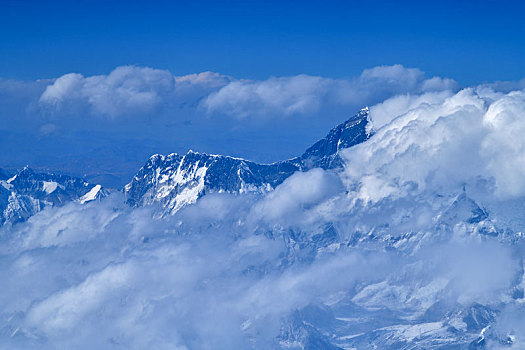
(387, 110)
(295, 195)
(435, 135)
(307, 94)
(126, 90)
(399, 79)
(298, 94)
(131, 90)
(503, 147)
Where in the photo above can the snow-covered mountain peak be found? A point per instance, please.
(177, 180)
(26, 192)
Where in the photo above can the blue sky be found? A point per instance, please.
(471, 41)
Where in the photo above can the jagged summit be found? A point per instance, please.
(352, 132)
(177, 180)
(26, 192)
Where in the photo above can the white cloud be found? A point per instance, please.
(394, 76)
(440, 141)
(126, 90)
(504, 146)
(292, 95)
(439, 84)
(295, 201)
(210, 79)
(131, 90)
(383, 112)
(305, 94)
(198, 280)
(70, 307)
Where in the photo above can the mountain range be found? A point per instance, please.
(174, 181)
(26, 192)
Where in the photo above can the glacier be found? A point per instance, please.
(406, 234)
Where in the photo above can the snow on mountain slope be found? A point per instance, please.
(174, 181)
(28, 192)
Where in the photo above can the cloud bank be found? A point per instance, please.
(439, 134)
(126, 90)
(307, 94)
(130, 90)
(125, 280)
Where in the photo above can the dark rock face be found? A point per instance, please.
(324, 153)
(27, 192)
(175, 180)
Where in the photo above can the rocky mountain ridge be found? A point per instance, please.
(27, 192)
(174, 181)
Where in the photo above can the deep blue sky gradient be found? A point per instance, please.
(470, 41)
